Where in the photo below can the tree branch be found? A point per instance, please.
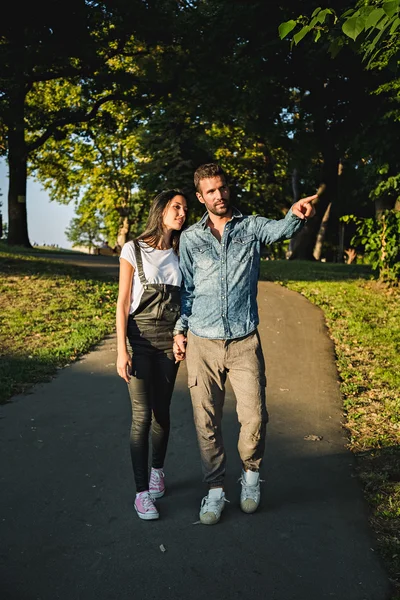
(71, 119)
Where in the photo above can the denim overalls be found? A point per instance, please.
(154, 371)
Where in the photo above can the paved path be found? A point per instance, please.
(68, 530)
(106, 264)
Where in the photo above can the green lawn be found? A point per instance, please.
(50, 314)
(363, 318)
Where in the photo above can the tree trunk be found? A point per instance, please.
(295, 185)
(340, 255)
(296, 196)
(123, 232)
(17, 161)
(304, 242)
(321, 233)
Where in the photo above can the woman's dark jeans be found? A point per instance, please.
(150, 389)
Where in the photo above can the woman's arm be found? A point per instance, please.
(124, 361)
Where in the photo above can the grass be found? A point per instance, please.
(363, 318)
(50, 314)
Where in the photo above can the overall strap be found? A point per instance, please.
(139, 262)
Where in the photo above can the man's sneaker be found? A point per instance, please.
(144, 507)
(250, 494)
(212, 506)
(157, 483)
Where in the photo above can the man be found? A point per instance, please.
(220, 260)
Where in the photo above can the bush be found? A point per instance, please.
(380, 239)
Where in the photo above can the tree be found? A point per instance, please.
(371, 31)
(221, 111)
(288, 103)
(97, 168)
(37, 49)
(84, 231)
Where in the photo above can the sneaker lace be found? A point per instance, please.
(155, 477)
(251, 491)
(211, 505)
(147, 501)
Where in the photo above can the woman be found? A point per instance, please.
(147, 309)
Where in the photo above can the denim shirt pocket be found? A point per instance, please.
(202, 257)
(243, 247)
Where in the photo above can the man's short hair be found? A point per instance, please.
(206, 172)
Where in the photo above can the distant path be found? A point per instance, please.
(68, 530)
(110, 264)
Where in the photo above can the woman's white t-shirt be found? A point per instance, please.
(159, 266)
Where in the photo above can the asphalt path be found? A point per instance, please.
(68, 529)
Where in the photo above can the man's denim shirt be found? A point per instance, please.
(219, 286)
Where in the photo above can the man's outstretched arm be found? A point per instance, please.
(269, 231)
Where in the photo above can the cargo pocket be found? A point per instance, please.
(192, 381)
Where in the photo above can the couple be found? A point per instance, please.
(201, 307)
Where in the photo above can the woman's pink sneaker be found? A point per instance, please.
(157, 483)
(144, 506)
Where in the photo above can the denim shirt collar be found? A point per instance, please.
(236, 214)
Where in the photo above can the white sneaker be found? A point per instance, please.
(212, 506)
(250, 493)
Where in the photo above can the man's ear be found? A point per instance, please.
(200, 197)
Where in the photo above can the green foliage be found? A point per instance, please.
(375, 25)
(4, 231)
(84, 231)
(389, 186)
(257, 170)
(3, 226)
(380, 239)
(97, 166)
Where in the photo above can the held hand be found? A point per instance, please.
(124, 366)
(178, 355)
(304, 208)
(179, 347)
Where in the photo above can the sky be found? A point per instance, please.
(47, 221)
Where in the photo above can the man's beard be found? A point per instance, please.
(221, 211)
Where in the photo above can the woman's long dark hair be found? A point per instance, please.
(154, 227)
